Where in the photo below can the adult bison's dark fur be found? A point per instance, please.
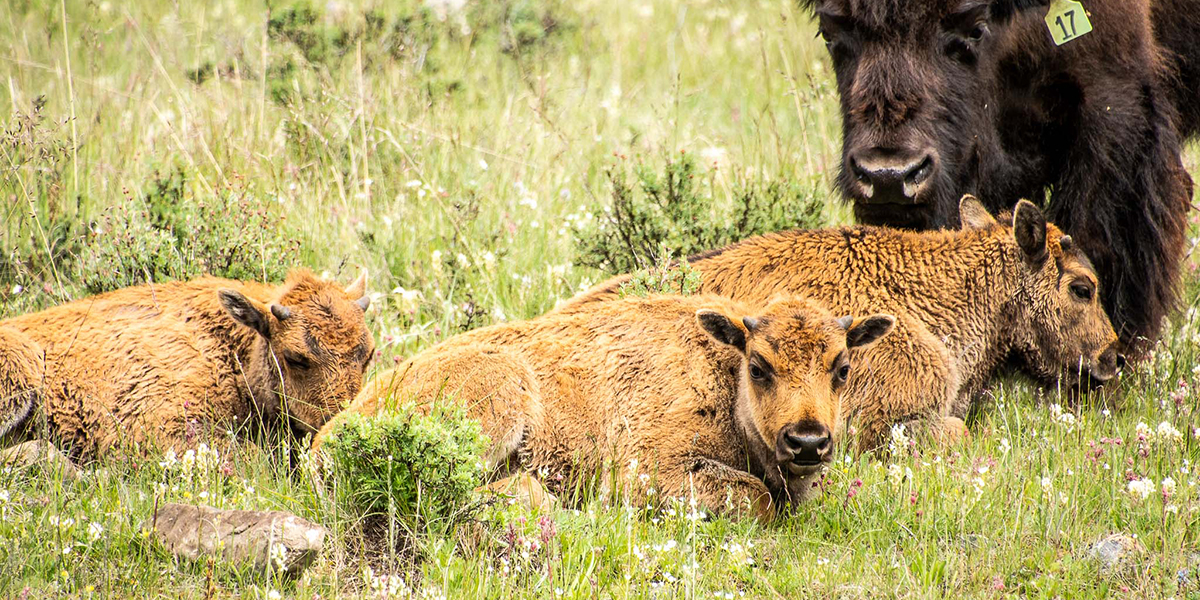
(945, 97)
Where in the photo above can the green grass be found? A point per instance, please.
(452, 165)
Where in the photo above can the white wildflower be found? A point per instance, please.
(169, 460)
(900, 440)
(278, 555)
(1141, 488)
(1168, 486)
(1167, 431)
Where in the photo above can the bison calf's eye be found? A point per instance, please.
(757, 374)
(842, 374)
(1082, 291)
(295, 361)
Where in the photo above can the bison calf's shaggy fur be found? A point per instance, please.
(740, 410)
(156, 364)
(966, 301)
(941, 98)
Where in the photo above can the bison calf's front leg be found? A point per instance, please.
(719, 488)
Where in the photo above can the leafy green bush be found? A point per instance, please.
(307, 40)
(168, 234)
(665, 276)
(420, 469)
(675, 210)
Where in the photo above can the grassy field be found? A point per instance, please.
(456, 155)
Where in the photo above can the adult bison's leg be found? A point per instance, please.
(21, 379)
(1124, 198)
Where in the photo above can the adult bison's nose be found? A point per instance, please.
(884, 176)
(806, 444)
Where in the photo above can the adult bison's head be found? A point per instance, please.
(311, 350)
(915, 101)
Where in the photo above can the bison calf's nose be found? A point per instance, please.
(1106, 366)
(806, 444)
(892, 177)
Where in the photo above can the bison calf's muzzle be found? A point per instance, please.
(804, 446)
(1106, 366)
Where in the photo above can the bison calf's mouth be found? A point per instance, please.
(804, 447)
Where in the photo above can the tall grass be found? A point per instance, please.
(451, 157)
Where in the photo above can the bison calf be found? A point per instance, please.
(730, 407)
(966, 301)
(153, 364)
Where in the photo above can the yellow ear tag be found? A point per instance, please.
(1066, 21)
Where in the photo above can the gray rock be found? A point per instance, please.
(39, 453)
(1113, 550)
(273, 541)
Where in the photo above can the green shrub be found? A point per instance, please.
(665, 276)
(308, 42)
(419, 469)
(677, 211)
(169, 234)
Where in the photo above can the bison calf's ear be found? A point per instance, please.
(1029, 227)
(358, 288)
(860, 332)
(973, 214)
(722, 328)
(245, 311)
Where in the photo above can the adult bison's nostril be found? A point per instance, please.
(806, 444)
(884, 176)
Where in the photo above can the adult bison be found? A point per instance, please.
(942, 98)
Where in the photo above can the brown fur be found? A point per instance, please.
(664, 380)
(965, 301)
(152, 364)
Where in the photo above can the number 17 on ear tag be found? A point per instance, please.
(1066, 21)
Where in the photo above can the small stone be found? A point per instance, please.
(1113, 549)
(39, 453)
(273, 541)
